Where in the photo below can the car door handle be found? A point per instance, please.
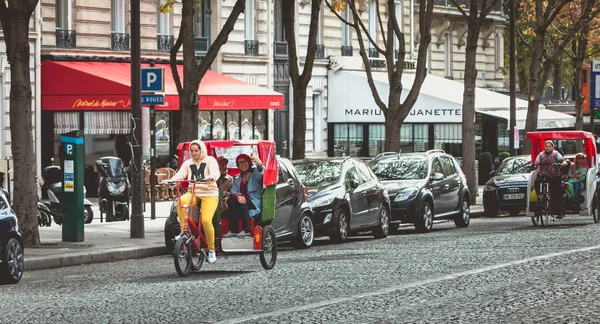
(447, 186)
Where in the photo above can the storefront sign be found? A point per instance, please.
(82, 103)
(375, 115)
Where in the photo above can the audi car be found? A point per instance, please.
(507, 188)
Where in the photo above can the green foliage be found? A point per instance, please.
(166, 6)
(502, 156)
(486, 161)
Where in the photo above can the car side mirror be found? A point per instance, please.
(353, 184)
(437, 176)
(290, 182)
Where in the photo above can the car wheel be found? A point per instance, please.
(12, 268)
(88, 214)
(306, 233)
(342, 226)
(514, 212)
(490, 211)
(383, 228)
(424, 222)
(463, 217)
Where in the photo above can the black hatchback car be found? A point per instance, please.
(423, 187)
(507, 189)
(11, 244)
(345, 197)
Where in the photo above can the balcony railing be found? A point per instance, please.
(66, 38)
(373, 52)
(164, 43)
(463, 3)
(251, 47)
(280, 49)
(119, 41)
(320, 53)
(346, 50)
(201, 45)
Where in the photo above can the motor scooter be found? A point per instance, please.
(113, 188)
(52, 177)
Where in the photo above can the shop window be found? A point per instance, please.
(406, 138)
(65, 121)
(347, 139)
(163, 135)
(376, 139)
(233, 125)
(218, 125)
(503, 137)
(373, 27)
(260, 124)
(204, 126)
(247, 131)
(421, 137)
(448, 137)
(399, 18)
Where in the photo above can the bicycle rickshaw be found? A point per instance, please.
(190, 250)
(587, 202)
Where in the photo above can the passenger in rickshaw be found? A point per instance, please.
(201, 166)
(577, 174)
(245, 197)
(224, 182)
(545, 163)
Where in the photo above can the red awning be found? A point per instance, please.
(106, 86)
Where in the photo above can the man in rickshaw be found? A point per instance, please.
(245, 197)
(205, 169)
(546, 164)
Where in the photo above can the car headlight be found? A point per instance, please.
(406, 194)
(116, 188)
(489, 187)
(322, 201)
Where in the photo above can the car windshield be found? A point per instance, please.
(400, 169)
(319, 174)
(514, 166)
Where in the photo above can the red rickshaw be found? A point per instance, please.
(587, 202)
(190, 248)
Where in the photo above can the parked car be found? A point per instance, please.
(423, 187)
(11, 243)
(507, 188)
(293, 215)
(345, 196)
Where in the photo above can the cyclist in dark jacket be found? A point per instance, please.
(545, 163)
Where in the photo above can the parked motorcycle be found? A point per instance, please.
(52, 177)
(113, 188)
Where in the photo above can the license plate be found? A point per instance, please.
(514, 196)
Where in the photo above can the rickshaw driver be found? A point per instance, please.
(545, 163)
(201, 166)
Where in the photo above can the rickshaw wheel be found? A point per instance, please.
(197, 259)
(596, 208)
(182, 256)
(268, 256)
(535, 219)
(545, 217)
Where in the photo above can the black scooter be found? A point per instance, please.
(52, 176)
(113, 189)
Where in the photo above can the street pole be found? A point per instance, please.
(137, 216)
(152, 159)
(590, 94)
(513, 79)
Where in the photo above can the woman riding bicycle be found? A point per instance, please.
(201, 166)
(546, 165)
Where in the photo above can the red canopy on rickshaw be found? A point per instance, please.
(266, 153)
(539, 138)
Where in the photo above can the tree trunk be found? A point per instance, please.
(557, 80)
(15, 21)
(300, 81)
(468, 113)
(534, 86)
(522, 76)
(188, 98)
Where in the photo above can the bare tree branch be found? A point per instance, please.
(395, 25)
(364, 28)
(380, 22)
(173, 59)
(486, 11)
(462, 11)
(338, 15)
(31, 4)
(311, 50)
(522, 38)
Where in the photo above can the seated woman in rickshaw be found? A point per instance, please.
(245, 196)
(201, 166)
(577, 174)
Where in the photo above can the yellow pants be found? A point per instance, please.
(209, 206)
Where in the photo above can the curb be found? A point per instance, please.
(98, 257)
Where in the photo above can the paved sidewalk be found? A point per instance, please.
(105, 242)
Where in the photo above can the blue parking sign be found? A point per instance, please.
(153, 79)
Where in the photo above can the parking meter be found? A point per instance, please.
(72, 197)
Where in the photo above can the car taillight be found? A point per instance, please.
(305, 193)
